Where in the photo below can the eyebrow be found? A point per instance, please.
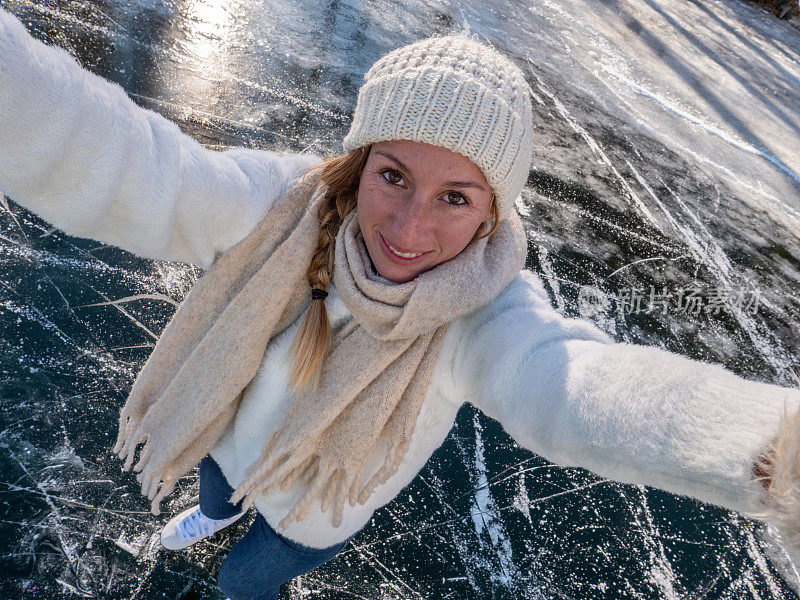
(462, 184)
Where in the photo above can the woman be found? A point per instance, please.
(351, 305)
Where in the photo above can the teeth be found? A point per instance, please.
(403, 254)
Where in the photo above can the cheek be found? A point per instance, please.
(458, 234)
(372, 205)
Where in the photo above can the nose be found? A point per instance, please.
(411, 224)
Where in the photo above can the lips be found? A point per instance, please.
(399, 256)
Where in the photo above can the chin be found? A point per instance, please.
(397, 273)
(397, 277)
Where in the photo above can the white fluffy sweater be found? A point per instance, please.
(78, 152)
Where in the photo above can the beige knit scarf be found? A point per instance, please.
(373, 379)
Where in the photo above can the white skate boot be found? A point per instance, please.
(191, 526)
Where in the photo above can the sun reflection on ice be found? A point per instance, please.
(210, 22)
(208, 39)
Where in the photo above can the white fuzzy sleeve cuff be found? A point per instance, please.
(778, 471)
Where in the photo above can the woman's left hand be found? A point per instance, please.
(778, 470)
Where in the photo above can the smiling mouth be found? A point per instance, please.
(398, 253)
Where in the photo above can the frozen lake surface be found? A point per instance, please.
(667, 155)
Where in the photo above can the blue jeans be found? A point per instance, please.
(263, 559)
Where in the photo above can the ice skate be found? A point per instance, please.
(191, 526)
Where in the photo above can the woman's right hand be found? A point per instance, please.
(76, 150)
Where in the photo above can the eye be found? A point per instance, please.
(461, 197)
(392, 173)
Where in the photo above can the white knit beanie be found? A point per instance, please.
(454, 92)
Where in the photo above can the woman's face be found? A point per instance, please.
(423, 201)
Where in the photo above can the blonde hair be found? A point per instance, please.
(341, 175)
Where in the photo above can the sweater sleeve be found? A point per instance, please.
(636, 414)
(77, 151)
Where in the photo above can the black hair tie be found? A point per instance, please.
(318, 294)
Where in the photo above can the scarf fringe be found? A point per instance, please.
(126, 425)
(129, 437)
(392, 462)
(256, 472)
(330, 483)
